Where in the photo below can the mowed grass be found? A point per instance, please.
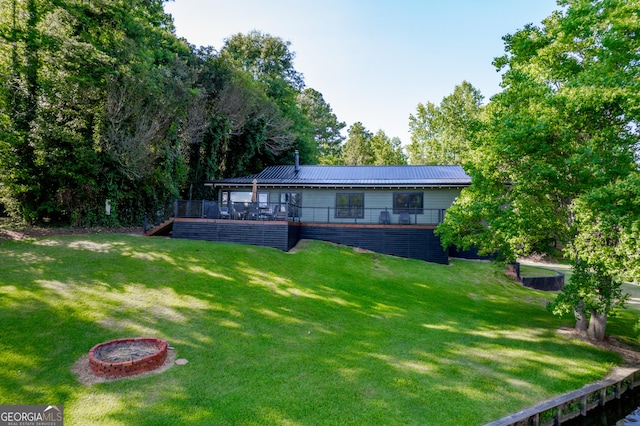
(532, 271)
(325, 335)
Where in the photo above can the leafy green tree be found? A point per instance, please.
(265, 57)
(325, 124)
(61, 66)
(20, 62)
(387, 151)
(364, 148)
(591, 293)
(607, 225)
(563, 129)
(244, 128)
(280, 127)
(357, 150)
(440, 134)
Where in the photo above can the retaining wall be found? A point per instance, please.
(548, 283)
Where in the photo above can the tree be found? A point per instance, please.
(364, 148)
(63, 59)
(357, 149)
(21, 38)
(440, 134)
(386, 151)
(607, 226)
(550, 145)
(591, 293)
(265, 57)
(325, 124)
(268, 61)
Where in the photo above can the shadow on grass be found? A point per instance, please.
(320, 337)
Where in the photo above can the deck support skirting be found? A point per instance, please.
(409, 241)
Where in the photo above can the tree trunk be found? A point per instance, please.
(597, 325)
(581, 319)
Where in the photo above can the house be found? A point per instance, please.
(387, 209)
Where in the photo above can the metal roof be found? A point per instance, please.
(353, 176)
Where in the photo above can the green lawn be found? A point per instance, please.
(533, 271)
(325, 335)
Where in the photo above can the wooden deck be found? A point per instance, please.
(164, 229)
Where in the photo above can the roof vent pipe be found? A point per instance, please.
(296, 159)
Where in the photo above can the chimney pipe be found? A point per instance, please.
(296, 159)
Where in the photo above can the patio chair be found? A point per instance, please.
(253, 212)
(266, 213)
(384, 218)
(211, 210)
(405, 219)
(280, 214)
(239, 211)
(224, 213)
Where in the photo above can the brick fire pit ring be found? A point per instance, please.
(127, 357)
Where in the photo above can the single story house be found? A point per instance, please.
(387, 209)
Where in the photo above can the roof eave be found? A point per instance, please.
(337, 186)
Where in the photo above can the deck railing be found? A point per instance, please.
(383, 216)
(156, 218)
(254, 211)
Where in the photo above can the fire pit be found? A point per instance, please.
(127, 357)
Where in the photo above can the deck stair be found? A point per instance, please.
(162, 229)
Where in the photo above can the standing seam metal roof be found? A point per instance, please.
(355, 176)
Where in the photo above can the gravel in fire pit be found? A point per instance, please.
(125, 351)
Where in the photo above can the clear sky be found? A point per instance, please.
(373, 61)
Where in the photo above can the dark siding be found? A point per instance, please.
(294, 235)
(273, 235)
(403, 241)
(472, 254)
(555, 283)
(410, 242)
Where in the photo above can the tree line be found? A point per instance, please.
(99, 100)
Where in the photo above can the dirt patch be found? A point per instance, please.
(511, 273)
(86, 376)
(361, 250)
(35, 232)
(539, 258)
(630, 354)
(301, 245)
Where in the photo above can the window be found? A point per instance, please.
(292, 201)
(241, 197)
(349, 205)
(263, 199)
(408, 202)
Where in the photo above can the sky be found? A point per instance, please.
(373, 61)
